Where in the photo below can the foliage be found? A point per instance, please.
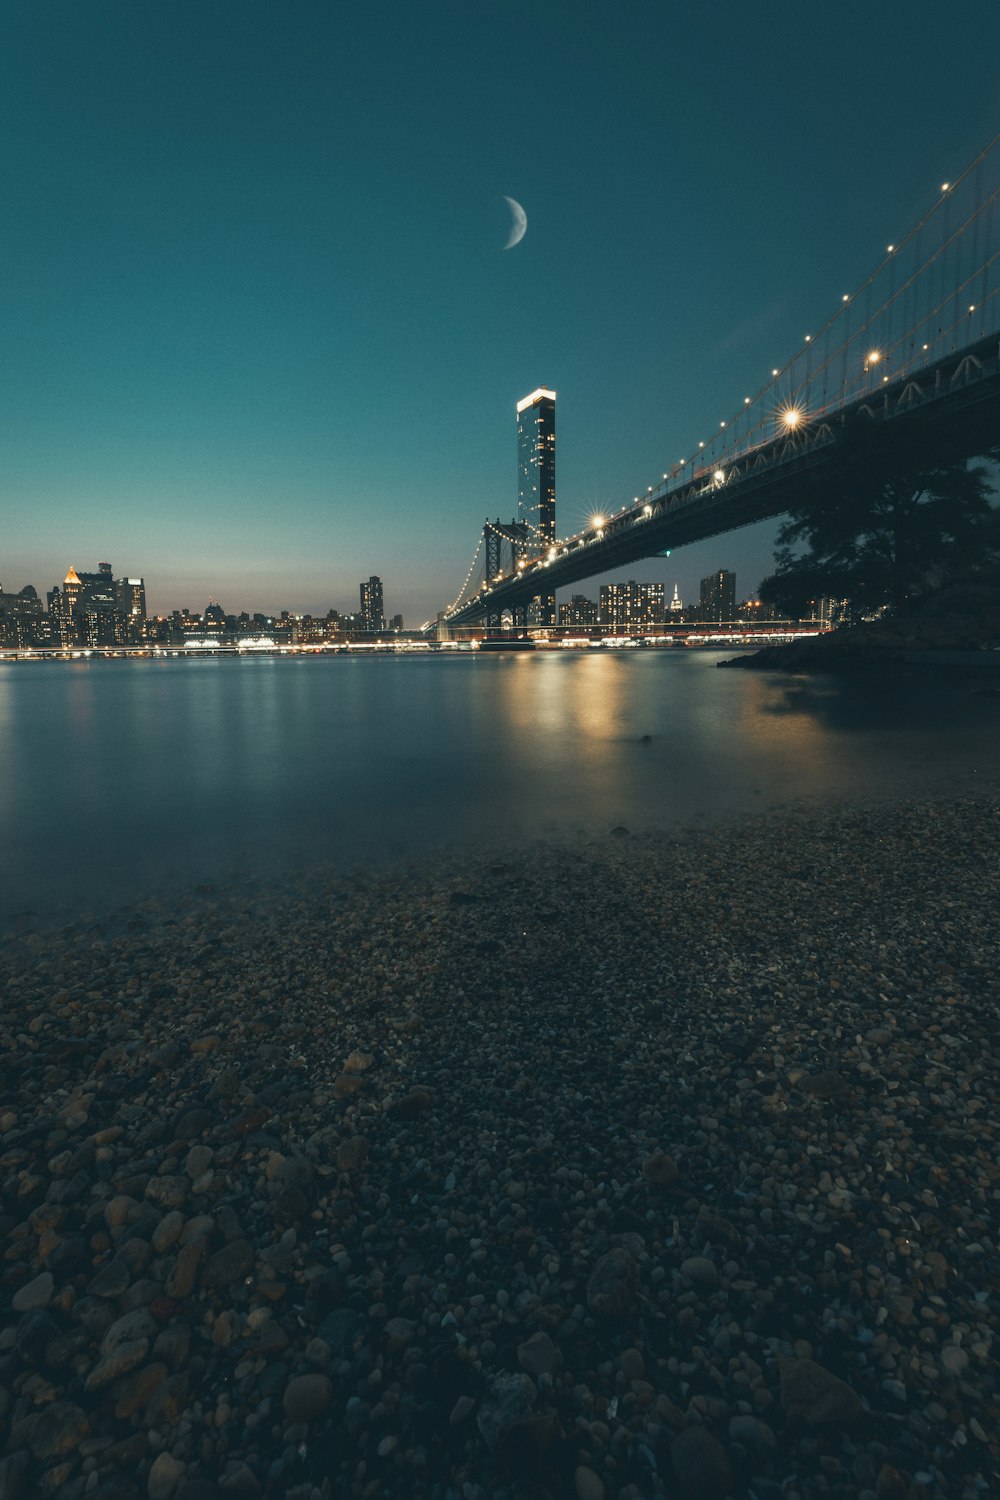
(901, 518)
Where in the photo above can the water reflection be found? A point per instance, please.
(167, 773)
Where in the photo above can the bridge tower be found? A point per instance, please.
(504, 543)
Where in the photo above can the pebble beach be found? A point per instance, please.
(653, 1166)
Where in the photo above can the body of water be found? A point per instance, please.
(121, 779)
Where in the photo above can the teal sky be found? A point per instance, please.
(261, 337)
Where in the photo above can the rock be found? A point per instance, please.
(232, 1263)
(358, 1062)
(168, 1231)
(510, 1399)
(954, 1359)
(416, 1102)
(138, 1324)
(352, 1154)
(398, 1333)
(538, 1355)
(660, 1170)
(814, 1395)
(752, 1432)
(138, 1389)
(700, 1269)
(167, 1405)
(110, 1281)
(827, 1085)
(180, 1281)
(612, 1285)
(632, 1364)
(307, 1397)
(290, 1171)
(119, 1361)
(347, 1084)
(60, 1429)
(198, 1161)
(36, 1293)
(164, 1476)
(701, 1464)
(168, 1191)
(589, 1486)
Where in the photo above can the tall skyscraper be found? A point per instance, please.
(536, 483)
(718, 597)
(131, 598)
(372, 607)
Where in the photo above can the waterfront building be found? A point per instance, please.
(372, 612)
(22, 619)
(632, 606)
(579, 612)
(536, 485)
(717, 604)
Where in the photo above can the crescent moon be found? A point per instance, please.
(519, 225)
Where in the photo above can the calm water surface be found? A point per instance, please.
(120, 779)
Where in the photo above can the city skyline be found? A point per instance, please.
(264, 328)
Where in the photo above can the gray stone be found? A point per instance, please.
(36, 1293)
(811, 1393)
(307, 1397)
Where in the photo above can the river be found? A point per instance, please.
(123, 779)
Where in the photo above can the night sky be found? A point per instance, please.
(260, 334)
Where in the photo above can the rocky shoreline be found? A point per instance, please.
(895, 643)
(654, 1167)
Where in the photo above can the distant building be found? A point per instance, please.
(632, 606)
(579, 612)
(718, 598)
(676, 605)
(756, 612)
(536, 485)
(22, 619)
(130, 594)
(372, 612)
(396, 623)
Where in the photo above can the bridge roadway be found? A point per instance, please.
(957, 397)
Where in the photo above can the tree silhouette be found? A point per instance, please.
(899, 517)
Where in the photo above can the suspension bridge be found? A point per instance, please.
(915, 349)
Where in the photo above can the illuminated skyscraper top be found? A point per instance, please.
(536, 480)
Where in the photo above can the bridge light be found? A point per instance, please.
(700, 445)
(873, 357)
(773, 374)
(597, 522)
(890, 248)
(722, 424)
(552, 553)
(719, 476)
(845, 298)
(647, 510)
(972, 307)
(945, 186)
(791, 416)
(809, 335)
(746, 400)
